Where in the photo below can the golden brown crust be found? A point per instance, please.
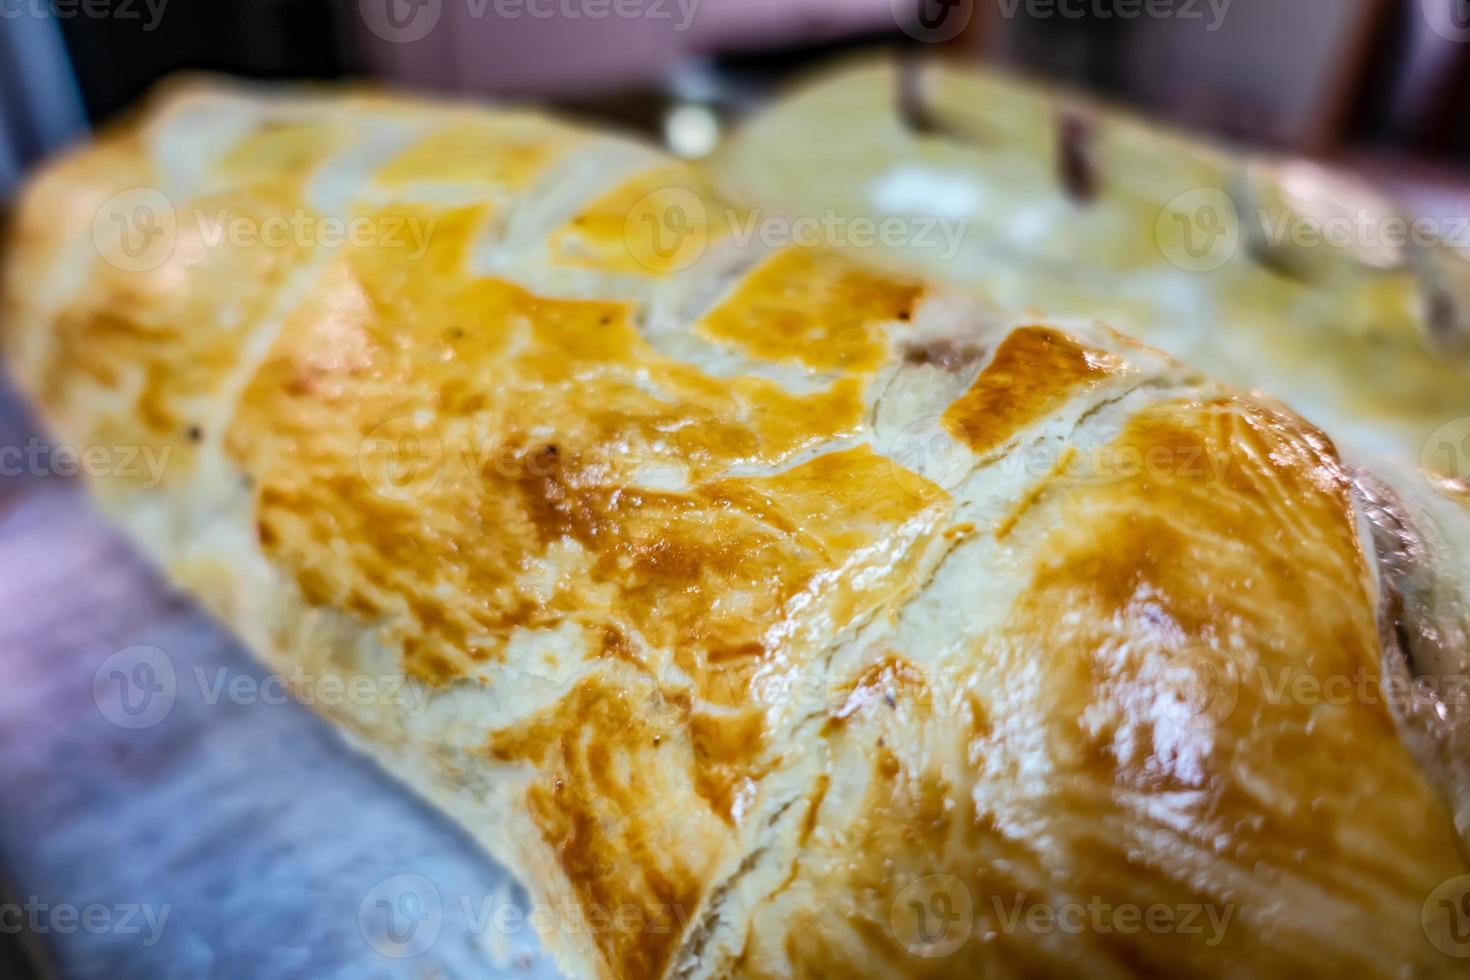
(744, 587)
(1125, 739)
(1032, 373)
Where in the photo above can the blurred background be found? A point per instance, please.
(1383, 85)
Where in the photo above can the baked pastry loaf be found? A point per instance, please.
(767, 614)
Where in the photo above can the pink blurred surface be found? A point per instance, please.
(581, 47)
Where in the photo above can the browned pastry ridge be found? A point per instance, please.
(775, 615)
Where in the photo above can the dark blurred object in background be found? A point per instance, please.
(1381, 87)
(1306, 75)
(1322, 77)
(1283, 72)
(1418, 91)
(118, 58)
